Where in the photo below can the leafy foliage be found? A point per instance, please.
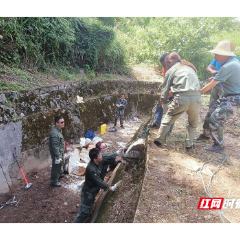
(110, 44)
(40, 42)
(191, 38)
(35, 41)
(94, 45)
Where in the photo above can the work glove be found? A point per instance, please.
(123, 161)
(58, 161)
(118, 105)
(119, 152)
(165, 107)
(114, 187)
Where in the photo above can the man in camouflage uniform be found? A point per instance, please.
(56, 148)
(217, 91)
(121, 105)
(225, 106)
(93, 183)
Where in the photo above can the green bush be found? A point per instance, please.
(44, 42)
(110, 44)
(144, 40)
(35, 41)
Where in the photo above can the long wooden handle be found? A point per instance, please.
(24, 176)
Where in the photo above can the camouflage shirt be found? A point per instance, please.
(56, 142)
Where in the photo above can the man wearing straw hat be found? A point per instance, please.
(225, 106)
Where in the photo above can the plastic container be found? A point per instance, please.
(103, 129)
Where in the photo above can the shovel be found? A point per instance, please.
(28, 184)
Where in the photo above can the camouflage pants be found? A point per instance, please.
(84, 211)
(119, 113)
(216, 93)
(217, 116)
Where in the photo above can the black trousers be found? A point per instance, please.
(119, 113)
(85, 206)
(57, 169)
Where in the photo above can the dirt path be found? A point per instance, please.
(171, 190)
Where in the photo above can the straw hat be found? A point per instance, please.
(224, 48)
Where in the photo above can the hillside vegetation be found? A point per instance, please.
(40, 51)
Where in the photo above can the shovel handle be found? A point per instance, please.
(24, 176)
(15, 157)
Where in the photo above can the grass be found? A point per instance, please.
(4, 85)
(16, 79)
(108, 75)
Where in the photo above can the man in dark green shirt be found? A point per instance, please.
(182, 80)
(93, 183)
(110, 158)
(56, 148)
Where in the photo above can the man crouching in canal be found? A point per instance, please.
(92, 185)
